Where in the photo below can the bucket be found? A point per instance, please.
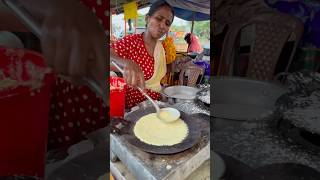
(117, 97)
(24, 111)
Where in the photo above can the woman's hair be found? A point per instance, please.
(157, 5)
(187, 38)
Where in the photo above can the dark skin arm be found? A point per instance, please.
(133, 74)
(72, 39)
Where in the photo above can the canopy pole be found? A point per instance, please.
(135, 25)
(192, 22)
(125, 27)
(192, 26)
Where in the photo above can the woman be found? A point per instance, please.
(75, 109)
(193, 43)
(142, 55)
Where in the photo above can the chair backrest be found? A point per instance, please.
(265, 51)
(180, 63)
(273, 30)
(191, 74)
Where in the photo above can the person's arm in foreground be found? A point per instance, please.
(73, 41)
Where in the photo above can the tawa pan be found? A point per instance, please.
(301, 109)
(128, 124)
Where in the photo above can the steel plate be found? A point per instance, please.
(244, 99)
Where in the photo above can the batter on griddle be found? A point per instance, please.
(151, 130)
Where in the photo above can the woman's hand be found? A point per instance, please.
(72, 39)
(133, 74)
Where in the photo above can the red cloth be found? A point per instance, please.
(195, 45)
(102, 10)
(75, 111)
(132, 47)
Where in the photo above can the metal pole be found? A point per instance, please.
(135, 25)
(24, 16)
(192, 26)
(192, 22)
(125, 27)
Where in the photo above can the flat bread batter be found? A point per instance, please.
(151, 130)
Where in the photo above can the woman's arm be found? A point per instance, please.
(72, 39)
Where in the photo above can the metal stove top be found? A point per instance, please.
(144, 165)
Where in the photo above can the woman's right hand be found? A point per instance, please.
(133, 74)
(72, 39)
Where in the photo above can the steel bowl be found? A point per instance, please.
(177, 94)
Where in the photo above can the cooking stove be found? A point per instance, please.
(151, 166)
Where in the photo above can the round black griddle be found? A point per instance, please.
(288, 127)
(288, 101)
(304, 94)
(285, 171)
(193, 137)
(278, 171)
(298, 136)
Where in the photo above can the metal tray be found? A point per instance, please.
(244, 99)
